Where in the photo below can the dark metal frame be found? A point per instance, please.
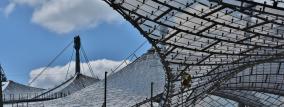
(213, 41)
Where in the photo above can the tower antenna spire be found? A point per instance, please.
(77, 46)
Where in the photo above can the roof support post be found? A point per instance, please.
(152, 94)
(105, 94)
(1, 94)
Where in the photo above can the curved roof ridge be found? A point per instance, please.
(73, 84)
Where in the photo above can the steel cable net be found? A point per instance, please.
(220, 43)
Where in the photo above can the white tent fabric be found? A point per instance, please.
(14, 91)
(126, 87)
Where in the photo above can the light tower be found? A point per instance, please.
(77, 46)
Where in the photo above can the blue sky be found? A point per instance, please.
(28, 43)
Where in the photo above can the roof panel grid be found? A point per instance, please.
(215, 41)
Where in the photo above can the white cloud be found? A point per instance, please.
(13, 3)
(28, 2)
(9, 8)
(63, 16)
(56, 75)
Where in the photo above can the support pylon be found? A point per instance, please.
(77, 46)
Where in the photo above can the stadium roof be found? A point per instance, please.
(71, 85)
(232, 48)
(126, 87)
(14, 91)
